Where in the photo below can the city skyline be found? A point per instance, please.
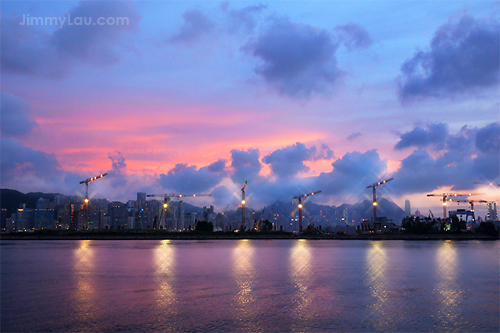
(194, 97)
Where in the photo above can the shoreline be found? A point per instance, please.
(113, 235)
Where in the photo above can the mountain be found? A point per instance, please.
(10, 199)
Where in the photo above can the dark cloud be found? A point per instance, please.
(488, 138)
(117, 162)
(353, 136)
(352, 173)
(25, 50)
(434, 135)
(31, 50)
(16, 119)
(245, 164)
(470, 155)
(464, 57)
(186, 179)
(196, 24)
(289, 161)
(18, 161)
(118, 169)
(96, 43)
(323, 153)
(218, 167)
(243, 19)
(298, 59)
(354, 36)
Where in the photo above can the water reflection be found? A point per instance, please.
(84, 294)
(448, 287)
(379, 314)
(164, 259)
(244, 275)
(301, 276)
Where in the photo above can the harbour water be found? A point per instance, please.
(250, 286)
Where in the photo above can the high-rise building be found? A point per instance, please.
(491, 211)
(407, 207)
(345, 216)
(118, 215)
(44, 219)
(41, 203)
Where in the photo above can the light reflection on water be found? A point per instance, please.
(380, 312)
(300, 274)
(448, 288)
(244, 276)
(164, 275)
(84, 294)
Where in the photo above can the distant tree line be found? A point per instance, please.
(427, 225)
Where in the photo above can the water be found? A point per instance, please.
(249, 286)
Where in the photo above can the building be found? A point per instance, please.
(3, 221)
(491, 211)
(118, 216)
(407, 207)
(41, 204)
(44, 219)
(25, 218)
(379, 225)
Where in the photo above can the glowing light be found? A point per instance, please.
(86, 200)
(374, 203)
(242, 202)
(165, 206)
(300, 205)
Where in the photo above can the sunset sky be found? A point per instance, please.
(292, 96)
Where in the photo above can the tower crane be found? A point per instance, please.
(374, 186)
(446, 195)
(257, 225)
(271, 213)
(243, 206)
(489, 184)
(86, 182)
(224, 215)
(166, 199)
(300, 196)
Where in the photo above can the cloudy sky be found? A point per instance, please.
(198, 97)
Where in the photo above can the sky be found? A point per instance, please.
(291, 96)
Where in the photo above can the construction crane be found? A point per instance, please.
(224, 215)
(300, 196)
(471, 202)
(243, 206)
(255, 224)
(271, 213)
(86, 182)
(446, 195)
(431, 215)
(489, 184)
(166, 199)
(374, 186)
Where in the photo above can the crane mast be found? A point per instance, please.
(243, 206)
(374, 186)
(86, 182)
(300, 196)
